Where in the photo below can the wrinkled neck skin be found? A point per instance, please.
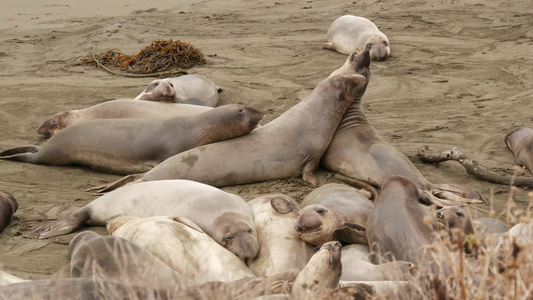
(355, 117)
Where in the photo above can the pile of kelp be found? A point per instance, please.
(161, 57)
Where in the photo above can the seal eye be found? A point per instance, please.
(53, 123)
(385, 43)
(440, 215)
(241, 110)
(155, 84)
(320, 211)
(369, 45)
(171, 85)
(227, 239)
(459, 214)
(250, 231)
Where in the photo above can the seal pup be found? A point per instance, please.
(334, 212)
(118, 109)
(349, 34)
(118, 260)
(290, 145)
(280, 248)
(188, 89)
(520, 142)
(125, 146)
(8, 207)
(322, 272)
(357, 151)
(226, 217)
(183, 246)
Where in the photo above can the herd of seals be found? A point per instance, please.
(172, 231)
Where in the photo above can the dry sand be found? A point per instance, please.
(460, 75)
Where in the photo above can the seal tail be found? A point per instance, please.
(114, 185)
(24, 153)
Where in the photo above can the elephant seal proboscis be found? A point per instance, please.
(188, 89)
(322, 272)
(290, 145)
(348, 34)
(118, 109)
(183, 246)
(396, 229)
(224, 216)
(126, 146)
(8, 207)
(333, 212)
(280, 248)
(520, 142)
(357, 151)
(115, 259)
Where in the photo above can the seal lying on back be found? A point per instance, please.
(357, 151)
(226, 217)
(349, 34)
(188, 89)
(520, 142)
(8, 207)
(118, 109)
(125, 146)
(287, 146)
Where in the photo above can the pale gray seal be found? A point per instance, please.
(290, 145)
(188, 89)
(118, 109)
(520, 142)
(125, 146)
(8, 207)
(349, 34)
(226, 217)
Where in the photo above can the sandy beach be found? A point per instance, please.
(460, 75)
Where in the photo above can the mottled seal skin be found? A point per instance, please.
(396, 229)
(281, 249)
(188, 89)
(322, 272)
(357, 151)
(226, 217)
(118, 260)
(290, 145)
(333, 212)
(118, 109)
(8, 207)
(183, 246)
(125, 146)
(520, 142)
(349, 34)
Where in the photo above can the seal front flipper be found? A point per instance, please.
(351, 233)
(63, 226)
(114, 185)
(24, 153)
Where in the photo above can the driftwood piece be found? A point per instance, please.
(473, 167)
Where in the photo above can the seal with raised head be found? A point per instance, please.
(125, 146)
(357, 151)
(226, 217)
(115, 259)
(188, 89)
(449, 217)
(290, 145)
(183, 246)
(520, 142)
(333, 211)
(118, 109)
(349, 34)
(8, 207)
(281, 249)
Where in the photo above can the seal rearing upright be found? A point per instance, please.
(291, 144)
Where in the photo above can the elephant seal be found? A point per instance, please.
(118, 109)
(118, 260)
(225, 217)
(333, 212)
(182, 245)
(188, 89)
(290, 145)
(520, 142)
(357, 151)
(449, 217)
(396, 229)
(125, 146)
(280, 248)
(322, 272)
(8, 207)
(349, 34)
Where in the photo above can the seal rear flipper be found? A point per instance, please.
(102, 189)
(24, 153)
(458, 190)
(63, 226)
(351, 233)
